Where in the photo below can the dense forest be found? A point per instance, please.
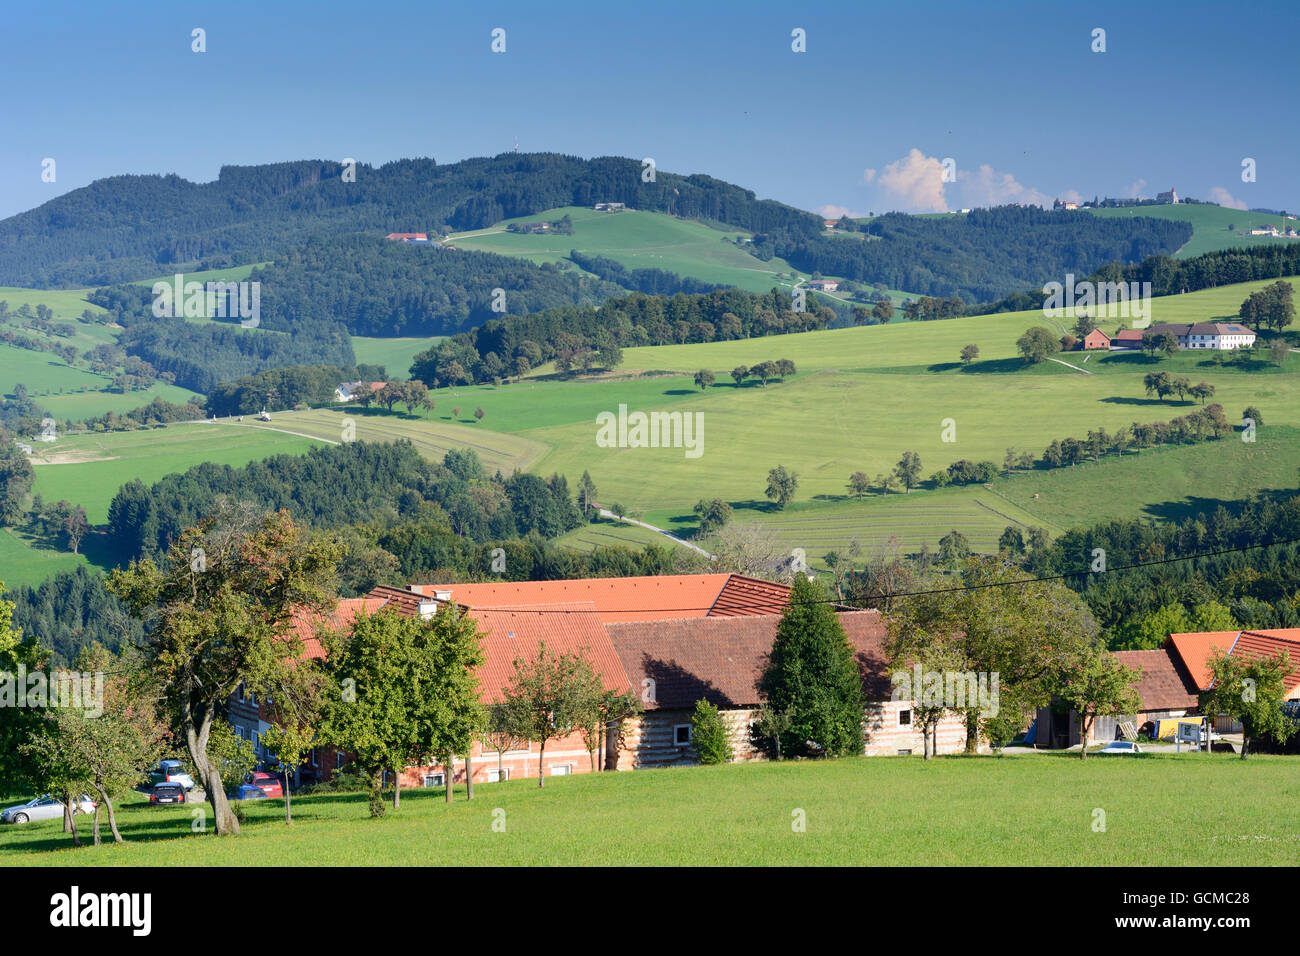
(385, 288)
(979, 256)
(520, 342)
(340, 485)
(283, 388)
(136, 227)
(70, 611)
(649, 281)
(201, 354)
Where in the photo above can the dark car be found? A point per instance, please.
(167, 793)
(247, 791)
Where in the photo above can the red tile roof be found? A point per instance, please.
(650, 598)
(1165, 684)
(721, 659)
(307, 624)
(565, 628)
(1196, 648)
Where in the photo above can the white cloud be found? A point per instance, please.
(1072, 195)
(868, 175)
(1224, 198)
(1135, 189)
(915, 183)
(988, 187)
(831, 211)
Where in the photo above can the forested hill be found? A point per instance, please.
(390, 288)
(980, 256)
(133, 227)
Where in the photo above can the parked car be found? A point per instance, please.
(247, 791)
(1121, 747)
(268, 782)
(171, 771)
(172, 791)
(44, 807)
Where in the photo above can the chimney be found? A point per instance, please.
(428, 608)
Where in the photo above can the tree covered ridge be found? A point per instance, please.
(133, 227)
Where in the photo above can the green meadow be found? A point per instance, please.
(89, 469)
(1214, 227)
(395, 355)
(1033, 809)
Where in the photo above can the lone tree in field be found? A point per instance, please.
(222, 607)
(548, 698)
(859, 483)
(1252, 692)
(1037, 344)
(908, 470)
(781, 485)
(479, 413)
(714, 514)
(1100, 686)
(704, 378)
(969, 353)
(812, 676)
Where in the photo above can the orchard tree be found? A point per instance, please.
(1252, 692)
(1037, 344)
(969, 353)
(222, 606)
(548, 698)
(1100, 686)
(908, 470)
(781, 485)
(739, 374)
(859, 483)
(704, 378)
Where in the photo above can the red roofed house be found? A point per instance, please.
(1096, 339)
(1127, 339)
(674, 663)
(1196, 648)
(407, 237)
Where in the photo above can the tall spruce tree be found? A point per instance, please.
(812, 676)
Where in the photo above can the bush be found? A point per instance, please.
(709, 734)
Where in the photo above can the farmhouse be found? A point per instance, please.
(671, 640)
(609, 206)
(1096, 339)
(407, 237)
(675, 663)
(1264, 231)
(1127, 339)
(1166, 688)
(347, 391)
(823, 285)
(1223, 336)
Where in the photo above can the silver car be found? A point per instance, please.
(44, 807)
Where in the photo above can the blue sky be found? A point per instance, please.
(861, 121)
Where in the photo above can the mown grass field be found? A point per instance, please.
(89, 469)
(1027, 810)
(433, 437)
(22, 561)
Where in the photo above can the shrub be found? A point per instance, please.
(709, 734)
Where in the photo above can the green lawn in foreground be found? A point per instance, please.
(89, 469)
(1030, 809)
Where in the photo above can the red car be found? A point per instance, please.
(268, 782)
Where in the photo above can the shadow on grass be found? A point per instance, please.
(987, 367)
(1137, 400)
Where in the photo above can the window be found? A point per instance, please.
(495, 776)
(905, 719)
(314, 755)
(562, 770)
(905, 753)
(338, 760)
(682, 735)
(435, 780)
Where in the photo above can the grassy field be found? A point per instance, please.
(395, 355)
(1210, 225)
(608, 533)
(1029, 810)
(23, 561)
(89, 469)
(641, 240)
(433, 437)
